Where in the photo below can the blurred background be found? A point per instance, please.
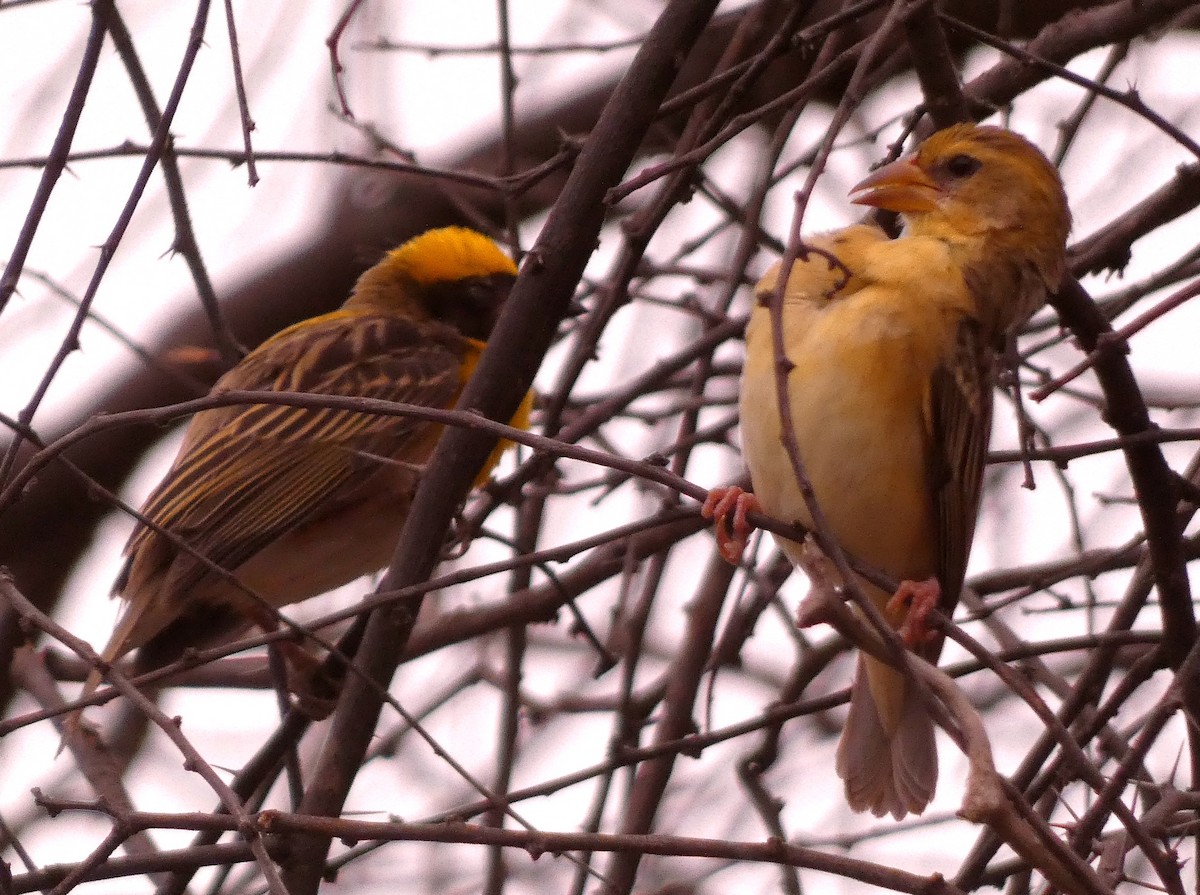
(303, 140)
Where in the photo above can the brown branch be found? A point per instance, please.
(684, 679)
(1065, 37)
(538, 302)
(935, 66)
(57, 161)
(1152, 479)
(185, 241)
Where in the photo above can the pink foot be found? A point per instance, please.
(913, 600)
(717, 506)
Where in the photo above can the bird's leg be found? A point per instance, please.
(913, 601)
(717, 506)
(302, 668)
(306, 681)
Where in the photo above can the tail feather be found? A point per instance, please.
(137, 625)
(122, 641)
(887, 756)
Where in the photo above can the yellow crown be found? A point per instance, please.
(447, 254)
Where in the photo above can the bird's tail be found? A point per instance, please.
(128, 635)
(887, 756)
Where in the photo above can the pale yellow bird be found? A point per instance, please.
(891, 399)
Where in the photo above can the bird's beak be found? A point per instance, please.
(900, 186)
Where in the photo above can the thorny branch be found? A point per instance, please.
(586, 678)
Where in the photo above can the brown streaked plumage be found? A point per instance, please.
(296, 501)
(891, 399)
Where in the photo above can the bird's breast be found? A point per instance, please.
(857, 396)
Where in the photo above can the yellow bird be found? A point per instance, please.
(296, 501)
(890, 394)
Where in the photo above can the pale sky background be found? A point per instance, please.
(429, 104)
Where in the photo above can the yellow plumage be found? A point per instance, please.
(296, 501)
(890, 396)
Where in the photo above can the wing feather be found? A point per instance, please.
(960, 421)
(248, 474)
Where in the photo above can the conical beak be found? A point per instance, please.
(900, 186)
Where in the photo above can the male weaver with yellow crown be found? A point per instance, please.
(296, 501)
(891, 398)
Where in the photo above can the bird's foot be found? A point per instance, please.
(913, 602)
(717, 506)
(313, 692)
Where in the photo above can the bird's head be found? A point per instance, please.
(982, 187)
(452, 274)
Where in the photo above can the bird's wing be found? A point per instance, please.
(960, 421)
(248, 474)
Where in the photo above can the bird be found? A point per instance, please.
(295, 501)
(891, 347)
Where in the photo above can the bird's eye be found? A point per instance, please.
(963, 165)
